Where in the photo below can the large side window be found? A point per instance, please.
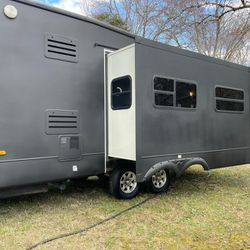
(174, 93)
(121, 94)
(228, 99)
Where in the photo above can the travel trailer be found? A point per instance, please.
(81, 98)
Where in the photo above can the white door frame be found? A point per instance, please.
(105, 53)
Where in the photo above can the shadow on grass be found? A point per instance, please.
(87, 188)
(193, 181)
(220, 177)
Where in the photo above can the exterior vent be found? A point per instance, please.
(61, 48)
(60, 122)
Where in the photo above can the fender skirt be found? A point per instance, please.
(178, 166)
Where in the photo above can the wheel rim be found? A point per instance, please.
(159, 179)
(128, 182)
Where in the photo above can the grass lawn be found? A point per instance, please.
(200, 211)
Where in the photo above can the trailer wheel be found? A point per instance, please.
(123, 184)
(159, 182)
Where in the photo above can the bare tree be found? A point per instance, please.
(218, 28)
(140, 15)
(223, 7)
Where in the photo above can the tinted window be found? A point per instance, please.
(223, 94)
(185, 95)
(163, 84)
(164, 99)
(121, 85)
(229, 93)
(229, 105)
(162, 87)
(121, 93)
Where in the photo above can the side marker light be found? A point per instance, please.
(3, 152)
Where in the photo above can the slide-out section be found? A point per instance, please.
(121, 104)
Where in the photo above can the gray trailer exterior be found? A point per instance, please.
(52, 108)
(31, 84)
(164, 133)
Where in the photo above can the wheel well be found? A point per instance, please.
(119, 163)
(122, 182)
(190, 162)
(177, 166)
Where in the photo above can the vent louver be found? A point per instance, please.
(62, 122)
(61, 48)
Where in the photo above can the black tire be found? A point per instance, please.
(160, 185)
(118, 187)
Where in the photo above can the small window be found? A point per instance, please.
(163, 84)
(164, 92)
(229, 106)
(228, 99)
(229, 93)
(121, 93)
(185, 95)
(164, 99)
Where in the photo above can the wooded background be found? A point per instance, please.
(217, 28)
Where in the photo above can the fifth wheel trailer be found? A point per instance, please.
(80, 98)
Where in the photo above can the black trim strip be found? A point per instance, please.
(62, 48)
(105, 46)
(62, 116)
(56, 41)
(61, 53)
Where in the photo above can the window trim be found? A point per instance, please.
(131, 97)
(174, 93)
(228, 99)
